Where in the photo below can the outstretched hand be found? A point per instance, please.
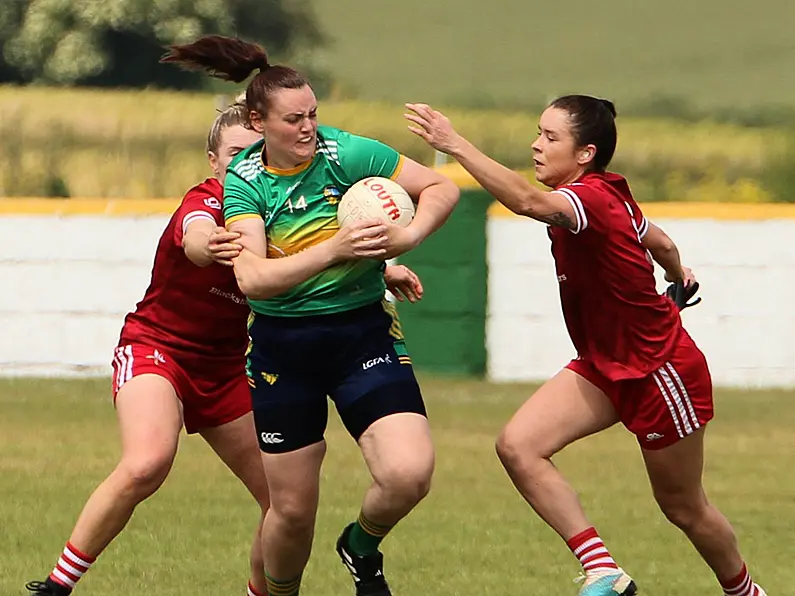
(433, 127)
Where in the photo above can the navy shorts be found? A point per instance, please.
(357, 358)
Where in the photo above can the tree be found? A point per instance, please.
(118, 42)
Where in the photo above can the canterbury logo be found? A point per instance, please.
(270, 438)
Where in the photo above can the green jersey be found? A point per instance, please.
(299, 209)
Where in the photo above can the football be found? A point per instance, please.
(376, 198)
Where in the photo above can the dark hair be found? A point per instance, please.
(593, 122)
(233, 59)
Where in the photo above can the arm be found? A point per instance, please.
(195, 242)
(507, 186)
(205, 243)
(260, 278)
(664, 252)
(435, 195)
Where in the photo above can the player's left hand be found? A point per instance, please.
(399, 240)
(433, 127)
(403, 283)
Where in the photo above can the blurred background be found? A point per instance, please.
(99, 142)
(704, 89)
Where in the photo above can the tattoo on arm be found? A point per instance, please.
(560, 220)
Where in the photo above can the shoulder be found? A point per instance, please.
(248, 163)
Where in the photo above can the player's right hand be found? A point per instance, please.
(360, 240)
(221, 246)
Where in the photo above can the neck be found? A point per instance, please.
(281, 162)
(579, 173)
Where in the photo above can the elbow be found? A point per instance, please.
(253, 287)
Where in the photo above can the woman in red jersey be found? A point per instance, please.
(635, 362)
(180, 361)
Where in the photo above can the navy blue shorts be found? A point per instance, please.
(357, 358)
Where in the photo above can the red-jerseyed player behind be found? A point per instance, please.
(636, 363)
(180, 360)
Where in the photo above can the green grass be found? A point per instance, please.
(717, 54)
(473, 535)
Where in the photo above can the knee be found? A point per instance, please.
(686, 512)
(409, 480)
(143, 475)
(517, 449)
(295, 511)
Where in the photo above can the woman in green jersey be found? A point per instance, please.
(320, 327)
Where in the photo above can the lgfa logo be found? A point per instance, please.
(387, 202)
(376, 361)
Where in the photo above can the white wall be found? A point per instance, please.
(66, 284)
(745, 324)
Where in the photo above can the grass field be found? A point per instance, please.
(473, 535)
(718, 54)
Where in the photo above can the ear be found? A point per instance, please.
(214, 166)
(586, 155)
(257, 122)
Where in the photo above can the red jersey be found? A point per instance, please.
(615, 317)
(187, 307)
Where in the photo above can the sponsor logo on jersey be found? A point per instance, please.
(213, 203)
(228, 295)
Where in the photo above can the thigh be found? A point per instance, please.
(675, 472)
(294, 481)
(373, 376)
(288, 397)
(150, 419)
(673, 402)
(235, 443)
(398, 445)
(568, 407)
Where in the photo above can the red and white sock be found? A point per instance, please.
(252, 591)
(740, 585)
(71, 566)
(591, 552)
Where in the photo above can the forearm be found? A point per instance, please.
(261, 278)
(669, 259)
(435, 205)
(195, 243)
(505, 185)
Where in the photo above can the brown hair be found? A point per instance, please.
(593, 122)
(233, 59)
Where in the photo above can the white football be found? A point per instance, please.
(376, 198)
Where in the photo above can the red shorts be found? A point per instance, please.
(212, 391)
(666, 406)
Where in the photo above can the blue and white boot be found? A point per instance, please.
(607, 582)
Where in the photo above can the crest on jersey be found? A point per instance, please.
(270, 378)
(332, 194)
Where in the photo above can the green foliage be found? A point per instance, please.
(118, 42)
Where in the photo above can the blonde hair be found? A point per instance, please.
(236, 114)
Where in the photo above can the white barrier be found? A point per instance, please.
(67, 283)
(745, 324)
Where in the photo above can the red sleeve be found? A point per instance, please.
(599, 210)
(639, 221)
(591, 206)
(201, 202)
